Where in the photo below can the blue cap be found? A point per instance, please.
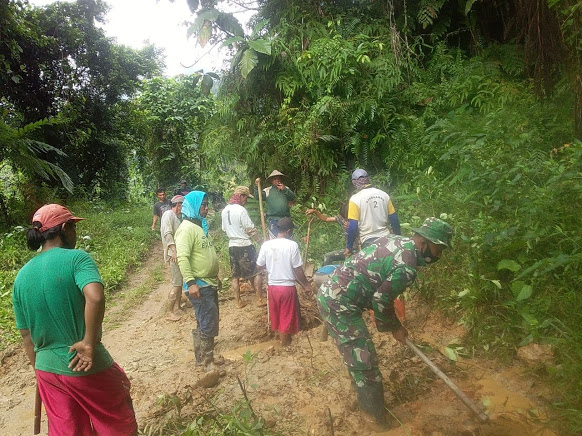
(359, 173)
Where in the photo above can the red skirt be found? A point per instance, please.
(96, 404)
(284, 309)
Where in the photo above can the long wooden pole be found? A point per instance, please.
(449, 383)
(308, 236)
(37, 411)
(263, 225)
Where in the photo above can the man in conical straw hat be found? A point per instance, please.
(279, 199)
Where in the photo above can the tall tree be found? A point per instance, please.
(168, 117)
(57, 61)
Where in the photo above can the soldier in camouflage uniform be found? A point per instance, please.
(372, 279)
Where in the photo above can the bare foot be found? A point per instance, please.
(172, 317)
(261, 302)
(241, 304)
(286, 340)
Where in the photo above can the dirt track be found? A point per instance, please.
(296, 389)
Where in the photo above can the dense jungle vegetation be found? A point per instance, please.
(466, 109)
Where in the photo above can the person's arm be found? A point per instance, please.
(322, 217)
(154, 221)
(290, 195)
(28, 346)
(253, 233)
(168, 237)
(393, 217)
(249, 226)
(352, 234)
(256, 188)
(353, 218)
(383, 301)
(302, 279)
(395, 224)
(185, 242)
(94, 311)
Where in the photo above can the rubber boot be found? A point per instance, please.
(371, 402)
(207, 352)
(197, 346)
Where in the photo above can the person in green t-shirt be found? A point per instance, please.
(59, 304)
(279, 199)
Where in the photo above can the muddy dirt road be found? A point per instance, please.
(297, 389)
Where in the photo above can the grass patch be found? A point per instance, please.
(118, 237)
(125, 302)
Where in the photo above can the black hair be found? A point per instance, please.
(160, 190)
(35, 238)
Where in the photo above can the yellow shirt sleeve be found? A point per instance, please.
(353, 211)
(391, 209)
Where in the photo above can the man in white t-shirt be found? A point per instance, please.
(241, 231)
(370, 212)
(282, 260)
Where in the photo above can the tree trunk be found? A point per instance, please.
(4, 210)
(578, 107)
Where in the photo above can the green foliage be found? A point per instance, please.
(444, 132)
(20, 151)
(56, 61)
(167, 117)
(117, 238)
(238, 423)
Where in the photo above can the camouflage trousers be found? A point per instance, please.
(349, 331)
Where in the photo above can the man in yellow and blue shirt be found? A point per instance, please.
(370, 212)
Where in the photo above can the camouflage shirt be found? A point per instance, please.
(391, 261)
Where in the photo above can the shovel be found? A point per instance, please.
(460, 394)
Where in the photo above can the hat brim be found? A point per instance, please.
(432, 239)
(272, 177)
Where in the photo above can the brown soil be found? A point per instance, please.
(298, 390)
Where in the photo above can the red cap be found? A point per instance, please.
(52, 215)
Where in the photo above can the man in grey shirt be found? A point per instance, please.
(169, 224)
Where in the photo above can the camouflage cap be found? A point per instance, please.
(437, 231)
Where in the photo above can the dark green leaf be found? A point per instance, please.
(525, 293)
(229, 24)
(206, 84)
(511, 265)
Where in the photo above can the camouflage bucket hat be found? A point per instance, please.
(437, 231)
